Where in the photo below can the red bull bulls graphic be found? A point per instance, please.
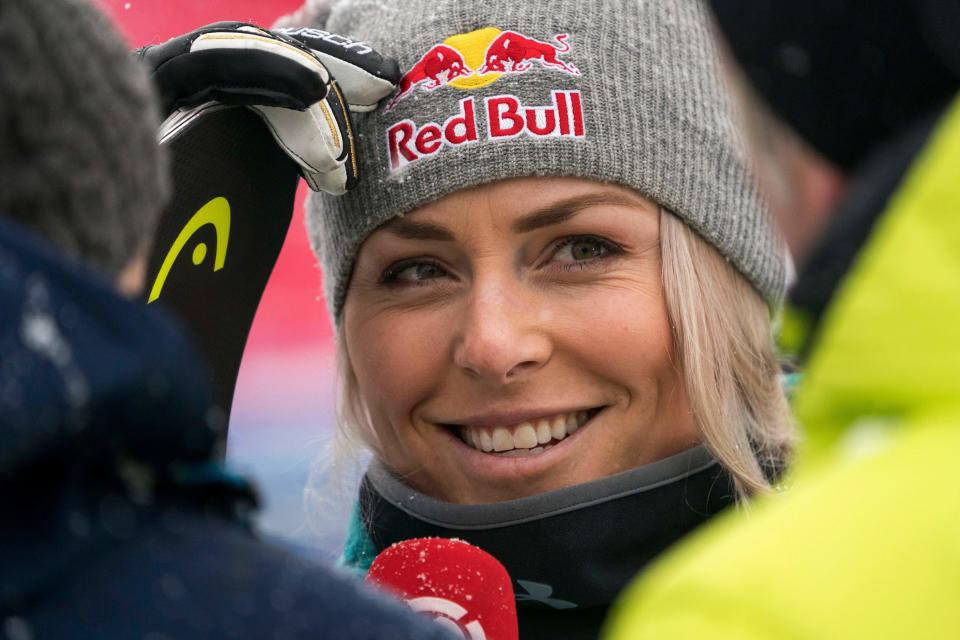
(478, 58)
(506, 117)
(513, 52)
(437, 67)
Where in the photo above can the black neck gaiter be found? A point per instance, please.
(569, 552)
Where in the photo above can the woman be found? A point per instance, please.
(552, 292)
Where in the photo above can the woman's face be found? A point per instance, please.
(513, 338)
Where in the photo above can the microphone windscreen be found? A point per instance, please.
(461, 586)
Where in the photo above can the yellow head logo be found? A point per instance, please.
(215, 212)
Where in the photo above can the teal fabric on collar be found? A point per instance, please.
(358, 550)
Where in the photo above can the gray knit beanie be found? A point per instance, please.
(625, 91)
(79, 160)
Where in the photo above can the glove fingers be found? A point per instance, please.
(365, 77)
(312, 137)
(282, 78)
(241, 71)
(361, 90)
(319, 139)
(338, 107)
(333, 182)
(252, 38)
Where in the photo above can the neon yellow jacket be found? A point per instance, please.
(865, 542)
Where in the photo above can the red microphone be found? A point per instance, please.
(461, 586)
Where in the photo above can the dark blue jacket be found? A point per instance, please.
(116, 520)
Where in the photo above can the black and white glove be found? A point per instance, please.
(285, 77)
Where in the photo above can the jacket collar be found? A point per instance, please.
(569, 552)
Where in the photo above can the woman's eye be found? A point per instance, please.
(412, 273)
(583, 249)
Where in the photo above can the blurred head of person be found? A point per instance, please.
(841, 100)
(800, 185)
(78, 153)
(557, 267)
(828, 85)
(93, 382)
(846, 76)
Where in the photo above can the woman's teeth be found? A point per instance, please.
(525, 438)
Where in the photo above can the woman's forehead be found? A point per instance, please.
(520, 205)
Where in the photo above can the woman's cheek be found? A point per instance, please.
(398, 358)
(624, 336)
(621, 310)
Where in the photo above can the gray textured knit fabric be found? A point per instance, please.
(655, 117)
(79, 161)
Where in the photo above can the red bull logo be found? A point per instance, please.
(476, 59)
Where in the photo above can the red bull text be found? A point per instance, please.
(505, 115)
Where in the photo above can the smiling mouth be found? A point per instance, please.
(526, 438)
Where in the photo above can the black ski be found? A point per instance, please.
(219, 238)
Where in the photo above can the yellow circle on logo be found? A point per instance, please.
(199, 253)
(473, 47)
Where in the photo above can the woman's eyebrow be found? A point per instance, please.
(412, 230)
(554, 213)
(563, 210)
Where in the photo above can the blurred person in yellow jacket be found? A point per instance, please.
(865, 541)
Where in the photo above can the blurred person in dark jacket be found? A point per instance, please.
(117, 519)
(864, 543)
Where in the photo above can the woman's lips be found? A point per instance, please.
(527, 438)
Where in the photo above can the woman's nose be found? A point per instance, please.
(502, 339)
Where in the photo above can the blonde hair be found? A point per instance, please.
(722, 338)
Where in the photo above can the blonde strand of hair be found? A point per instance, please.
(722, 336)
